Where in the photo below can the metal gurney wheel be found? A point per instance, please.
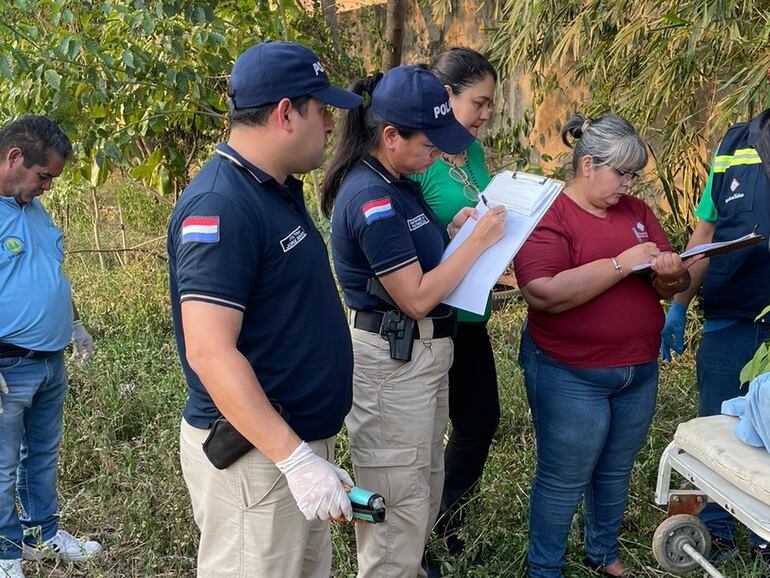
(672, 534)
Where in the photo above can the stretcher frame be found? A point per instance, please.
(712, 487)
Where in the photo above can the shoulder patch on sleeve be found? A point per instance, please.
(377, 209)
(200, 230)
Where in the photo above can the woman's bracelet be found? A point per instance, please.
(617, 266)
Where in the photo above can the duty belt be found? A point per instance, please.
(372, 321)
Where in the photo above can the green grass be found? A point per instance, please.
(120, 480)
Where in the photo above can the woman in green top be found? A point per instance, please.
(453, 182)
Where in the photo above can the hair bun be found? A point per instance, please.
(575, 128)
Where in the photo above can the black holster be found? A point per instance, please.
(398, 328)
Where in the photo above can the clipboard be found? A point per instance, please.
(526, 198)
(711, 249)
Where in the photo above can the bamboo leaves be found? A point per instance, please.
(682, 71)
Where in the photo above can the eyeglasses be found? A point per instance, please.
(626, 177)
(470, 190)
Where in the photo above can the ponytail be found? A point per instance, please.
(356, 138)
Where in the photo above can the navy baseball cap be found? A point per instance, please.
(411, 97)
(268, 72)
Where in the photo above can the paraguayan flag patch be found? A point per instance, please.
(200, 230)
(377, 209)
(416, 222)
(293, 239)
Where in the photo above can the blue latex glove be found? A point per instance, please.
(673, 331)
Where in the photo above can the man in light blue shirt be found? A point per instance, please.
(37, 321)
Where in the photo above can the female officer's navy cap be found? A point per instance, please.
(271, 71)
(411, 97)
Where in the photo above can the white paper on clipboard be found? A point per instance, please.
(526, 197)
(711, 249)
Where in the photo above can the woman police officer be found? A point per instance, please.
(384, 232)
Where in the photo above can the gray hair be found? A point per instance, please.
(609, 139)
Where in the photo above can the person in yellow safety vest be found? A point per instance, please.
(734, 287)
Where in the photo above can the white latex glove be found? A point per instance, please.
(82, 342)
(316, 485)
(3, 390)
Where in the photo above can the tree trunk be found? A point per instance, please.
(394, 28)
(329, 10)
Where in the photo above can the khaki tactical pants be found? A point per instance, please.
(249, 522)
(396, 429)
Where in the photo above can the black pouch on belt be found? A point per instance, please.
(225, 445)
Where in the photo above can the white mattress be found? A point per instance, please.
(711, 441)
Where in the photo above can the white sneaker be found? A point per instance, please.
(11, 569)
(63, 545)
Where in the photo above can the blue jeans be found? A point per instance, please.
(30, 430)
(590, 425)
(720, 358)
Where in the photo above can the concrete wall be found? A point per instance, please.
(428, 32)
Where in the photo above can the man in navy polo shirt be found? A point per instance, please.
(260, 329)
(36, 324)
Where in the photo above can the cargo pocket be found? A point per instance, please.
(391, 472)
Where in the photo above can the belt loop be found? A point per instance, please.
(426, 328)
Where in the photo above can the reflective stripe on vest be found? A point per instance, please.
(739, 157)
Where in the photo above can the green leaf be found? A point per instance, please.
(112, 151)
(52, 78)
(128, 58)
(148, 24)
(675, 20)
(74, 49)
(98, 171)
(765, 311)
(6, 66)
(758, 365)
(62, 50)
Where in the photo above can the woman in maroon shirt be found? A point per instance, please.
(590, 349)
